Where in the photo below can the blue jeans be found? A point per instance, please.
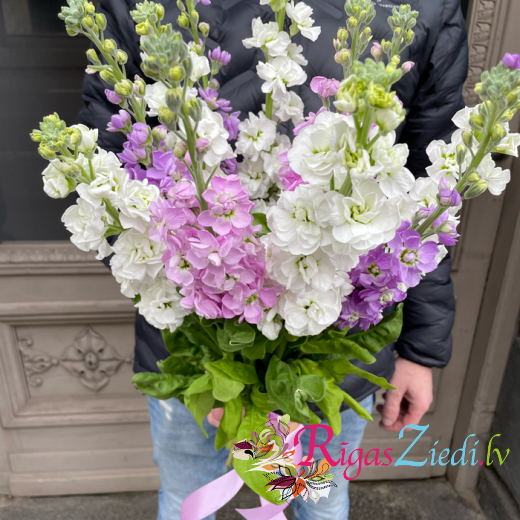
(178, 444)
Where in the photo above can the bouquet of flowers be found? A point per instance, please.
(256, 269)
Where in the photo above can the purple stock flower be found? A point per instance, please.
(131, 154)
(163, 165)
(231, 123)
(447, 196)
(135, 171)
(219, 55)
(511, 61)
(113, 97)
(119, 121)
(373, 269)
(229, 166)
(410, 257)
(204, 2)
(210, 96)
(356, 311)
(140, 135)
(446, 230)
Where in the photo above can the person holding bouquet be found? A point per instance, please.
(430, 93)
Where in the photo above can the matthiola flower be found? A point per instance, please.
(447, 196)
(254, 179)
(496, 178)
(231, 123)
(309, 313)
(290, 179)
(135, 205)
(318, 149)
(229, 206)
(356, 311)
(164, 165)
(374, 268)
(289, 106)
(89, 139)
(301, 14)
(183, 195)
(444, 162)
(87, 225)
(511, 61)
(446, 229)
(294, 52)
(267, 36)
(164, 218)
(410, 257)
(309, 120)
(119, 122)
(160, 304)
(113, 97)
(324, 87)
(257, 134)
(201, 66)
(56, 184)
(219, 55)
(210, 96)
(280, 74)
(229, 166)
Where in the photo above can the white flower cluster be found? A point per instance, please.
(137, 260)
(258, 140)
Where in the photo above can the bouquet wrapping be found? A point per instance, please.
(257, 253)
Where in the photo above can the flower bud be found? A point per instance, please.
(109, 46)
(46, 152)
(476, 121)
(342, 34)
(87, 22)
(108, 77)
(36, 136)
(204, 28)
(122, 57)
(174, 99)
(75, 136)
(194, 16)
(508, 115)
(366, 35)
(167, 117)
(176, 73)
(93, 57)
(89, 7)
(181, 6)
(376, 51)
(159, 9)
(351, 23)
(499, 132)
(386, 46)
(474, 177)
(159, 134)
(193, 108)
(73, 31)
(180, 150)
(409, 38)
(407, 66)
(203, 145)
(461, 154)
(343, 57)
(141, 29)
(124, 88)
(183, 21)
(467, 138)
(139, 86)
(477, 189)
(214, 84)
(101, 21)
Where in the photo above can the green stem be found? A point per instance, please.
(112, 212)
(346, 189)
(280, 349)
(365, 129)
(280, 16)
(269, 105)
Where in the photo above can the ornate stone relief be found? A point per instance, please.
(90, 358)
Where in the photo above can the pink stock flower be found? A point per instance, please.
(324, 87)
(309, 120)
(229, 206)
(165, 218)
(290, 179)
(511, 61)
(183, 195)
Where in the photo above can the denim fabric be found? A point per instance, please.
(187, 460)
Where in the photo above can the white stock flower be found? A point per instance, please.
(310, 313)
(107, 184)
(269, 36)
(389, 119)
(366, 219)
(137, 257)
(297, 220)
(211, 127)
(201, 66)
(461, 118)
(272, 158)
(88, 226)
(88, 138)
(424, 192)
(155, 97)
(301, 14)
(303, 272)
(294, 51)
(289, 106)
(160, 304)
(394, 179)
(444, 162)
(56, 184)
(254, 179)
(271, 323)
(509, 145)
(135, 204)
(279, 74)
(495, 177)
(256, 134)
(319, 149)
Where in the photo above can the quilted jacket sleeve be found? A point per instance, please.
(429, 309)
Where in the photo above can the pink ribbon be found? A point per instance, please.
(210, 498)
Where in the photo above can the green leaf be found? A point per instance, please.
(160, 386)
(260, 219)
(221, 438)
(200, 405)
(341, 367)
(230, 422)
(330, 406)
(350, 401)
(235, 336)
(202, 384)
(260, 346)
(175, 341)
(385, 332)
(339, 346)
(229, 378)
(290, 393)
(196, 333)
(176, 365)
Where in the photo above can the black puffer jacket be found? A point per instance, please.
(431, 93)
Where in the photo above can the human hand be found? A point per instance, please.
(411, 400)
(215, 416)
